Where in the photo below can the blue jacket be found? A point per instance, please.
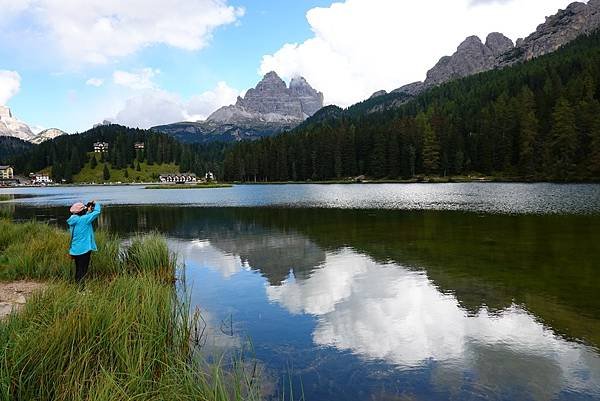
(82, 232)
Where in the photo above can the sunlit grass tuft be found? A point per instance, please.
(149, 253)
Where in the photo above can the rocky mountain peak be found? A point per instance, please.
(11, 126)
(271, 81)
(272, 100)
(470, 43)
(471, 57)
(559, 29)
(5, 112)
(310, 99)
(498, 43)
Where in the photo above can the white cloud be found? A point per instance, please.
(100, 31)
(155, 106)
(10, 83)
(141, 79)
(360, 46)
(94, 82)
(201, 106)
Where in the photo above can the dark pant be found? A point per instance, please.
(82, 263)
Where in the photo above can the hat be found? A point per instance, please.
(77, 208)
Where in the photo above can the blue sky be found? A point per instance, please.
(154, 64)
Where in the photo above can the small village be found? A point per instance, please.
(9, 179)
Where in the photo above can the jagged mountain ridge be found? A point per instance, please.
(473, 56)
(269, 108)
(10, 126)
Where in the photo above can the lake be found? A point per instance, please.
(382, 292)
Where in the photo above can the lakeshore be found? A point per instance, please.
(125, 335)
(188, 186)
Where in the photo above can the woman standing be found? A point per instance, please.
(82, 236)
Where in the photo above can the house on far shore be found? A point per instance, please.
(209, 176)
(7, 177)
(138, 146)
(178, 178)
(6, 173)
(40, 179)
(100, 147)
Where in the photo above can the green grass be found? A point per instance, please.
(188, 186)
(35, 250)
(126, 337)
(147, 174)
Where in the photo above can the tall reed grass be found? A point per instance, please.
(126, 337)
(35, 250)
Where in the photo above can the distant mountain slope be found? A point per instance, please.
(327, 113)
(209, 132)
(269, 108)
(47, 134)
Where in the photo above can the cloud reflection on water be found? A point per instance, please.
(390, 313)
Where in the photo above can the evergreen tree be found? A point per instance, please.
(594, 159)
(93, 162)
(431, 147)
(137, 167)
(68, 172)
(126, 173)
(57, 172)
(106, 173)
(528, 126)
(394, 156)
(75, 163)
(349, 151)
(563, 140)
(378, 161)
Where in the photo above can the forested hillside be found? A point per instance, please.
(68, 154)
(534, 121)
(10, 146)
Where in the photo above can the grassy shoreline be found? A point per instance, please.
(127, 336)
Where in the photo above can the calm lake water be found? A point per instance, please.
(383, 292)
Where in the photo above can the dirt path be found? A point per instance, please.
(13, 295)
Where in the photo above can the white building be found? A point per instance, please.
(209, 176)
(100, 147)
(6, 173)
(138, 146)
(178, 178)
(40, 179)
